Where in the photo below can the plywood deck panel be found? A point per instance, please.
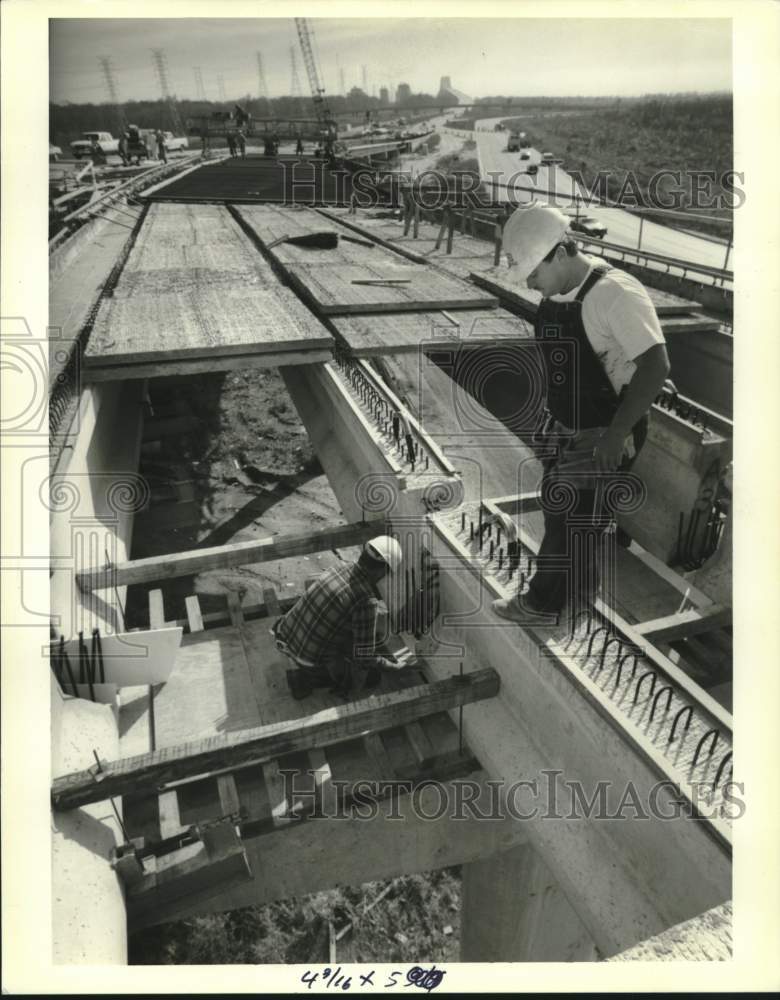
(332, 292)
(527, 300)
(399, 333)
(270, 223)
(194, 286)
(466, 246)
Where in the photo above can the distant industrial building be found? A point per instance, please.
(384, 95)
(449, 94)
(403, 93)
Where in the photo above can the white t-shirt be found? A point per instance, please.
(619, 319)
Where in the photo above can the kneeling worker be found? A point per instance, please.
(331, 634)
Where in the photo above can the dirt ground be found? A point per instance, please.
(243, 470)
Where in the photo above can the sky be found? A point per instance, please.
(523, 56)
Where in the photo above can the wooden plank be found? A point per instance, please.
(194, 274)
(170, 820)
(422, 748)
(268, 743)
(234, 608)
(377, 754)
(195, 561)
(320, 767)
(528, 301)
(398, 333)
(376, 237)
(229, 801)
(227, 363)
(277, 797)
(156, 609)
(685, 624)
(193, 613)
(332, 292)
(271, 602)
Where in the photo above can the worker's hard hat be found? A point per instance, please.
(529, 235)
(387, 549)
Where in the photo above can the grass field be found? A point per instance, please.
(685, 134)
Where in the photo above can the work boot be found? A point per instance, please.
(523, 611)
(299, 684)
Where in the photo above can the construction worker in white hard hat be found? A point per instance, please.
(333, 632)
(604, 362)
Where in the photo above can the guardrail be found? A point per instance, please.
(718, 273)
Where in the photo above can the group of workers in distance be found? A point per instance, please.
(133, 145)
(604, 361)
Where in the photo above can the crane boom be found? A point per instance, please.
(321, 109)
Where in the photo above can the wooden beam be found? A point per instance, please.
(193, 613)
(229, 801)
(224, 556)
(268, 743)
(170, 820)
(156, 609)
(271, 602)
(685, 624)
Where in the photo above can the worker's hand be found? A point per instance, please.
(608, 451)
(505, 522)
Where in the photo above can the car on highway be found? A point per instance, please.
(589, 227)
(532, 169)
(525, 156)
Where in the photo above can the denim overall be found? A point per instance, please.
(581, 403)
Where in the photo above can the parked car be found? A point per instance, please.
(174, 143)
(589, 227)
(525, 156)
(84, 146)
(54, 153)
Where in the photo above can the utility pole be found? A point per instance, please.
(342, 86)
(262, 87)
(221, 87)
(364, 78)
(200, 90)
(161, 66)
(113, 92)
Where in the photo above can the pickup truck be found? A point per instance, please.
(83, 147)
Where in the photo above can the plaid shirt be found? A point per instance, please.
(337, 614)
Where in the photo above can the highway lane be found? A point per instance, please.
(496, 164)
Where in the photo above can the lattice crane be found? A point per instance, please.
(321, 109)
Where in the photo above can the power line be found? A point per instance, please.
(161, 66)
(113, 92)
(262, 90)
(200, 90)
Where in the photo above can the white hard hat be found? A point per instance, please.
(529, 235)
(387, 549)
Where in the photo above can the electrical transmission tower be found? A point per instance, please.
(200, 90)
(295, 82)
(161, 66)
(262, 88)
(113, 92)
